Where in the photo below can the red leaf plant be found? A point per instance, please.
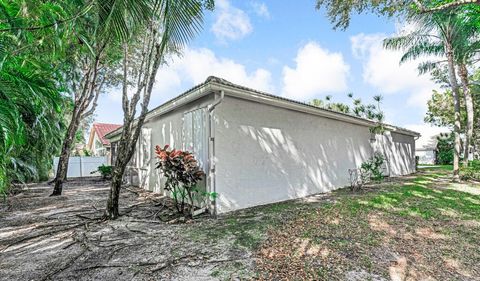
(182, 173)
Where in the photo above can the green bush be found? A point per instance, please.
(472, 172)
(372, 168)
(105, 171)
(445, 149)
(474, 164)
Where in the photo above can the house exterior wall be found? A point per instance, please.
(164, 129)
(266, 154)
(97, 145)
(426, 156)
(399, 152)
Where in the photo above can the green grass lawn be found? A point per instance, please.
(436, 167)
(422, 227)
(419, 229)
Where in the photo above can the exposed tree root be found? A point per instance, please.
(36, 237)
(67, 265)
(24, 239)
(172, 262)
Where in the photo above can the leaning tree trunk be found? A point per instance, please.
(177, 22)
(62, 167)
(456, 106)
(463, 73)
(88, 91)
(125, 151)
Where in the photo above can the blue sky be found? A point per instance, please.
(290, 49)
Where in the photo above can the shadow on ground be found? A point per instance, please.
(65, 238)
(409, 228)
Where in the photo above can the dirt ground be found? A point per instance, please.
(419, 227)
(64, 238)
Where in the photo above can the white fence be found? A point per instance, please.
(82, 166)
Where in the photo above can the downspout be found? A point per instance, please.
(211, 140)
(414, 151)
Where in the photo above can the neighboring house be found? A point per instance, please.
(426, 150)
(257, 148)
(426, 155)
(98, 145)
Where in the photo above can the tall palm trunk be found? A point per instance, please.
(456, 105)
(123, 155)
(463, 73)
(178, 22)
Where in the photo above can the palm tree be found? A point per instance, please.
(96, 54)
(466, 51)
(436, 34)
(31, 96)
(30, 120)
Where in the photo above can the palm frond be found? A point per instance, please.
(180, 21)
(422, 49)
(427, 66)
(120, 17)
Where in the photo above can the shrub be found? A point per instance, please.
(105, 171)
(471, 172)
(474, 164)
(445, 149)
(371, 169)
(182, 174)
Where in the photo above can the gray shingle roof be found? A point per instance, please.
(221, 81)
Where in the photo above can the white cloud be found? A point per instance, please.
(317, 71)
(197, 64)
(193, 68)
(382, 70)
(261, 9)
(231, 23)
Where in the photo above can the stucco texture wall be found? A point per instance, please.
(164, 129)
(267, 154)
(399, 152)
(426, 156)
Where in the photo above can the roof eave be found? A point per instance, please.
(302, 107)
(187, 97)
(231, 89)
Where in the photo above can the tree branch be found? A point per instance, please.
(89, 94)
(95, 100)
(52, 24)
(445, 6)
(125, 82)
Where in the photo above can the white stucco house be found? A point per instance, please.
(426, 148)
(426, 155)
(257, 148)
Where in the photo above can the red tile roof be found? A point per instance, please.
(101, 129)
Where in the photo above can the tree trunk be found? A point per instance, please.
(112, 203)
(62, 167)
(124, 154)
(456, 105)
(463, 73)
(88, 91)
(131, 131)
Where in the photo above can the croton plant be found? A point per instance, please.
(182, 173)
